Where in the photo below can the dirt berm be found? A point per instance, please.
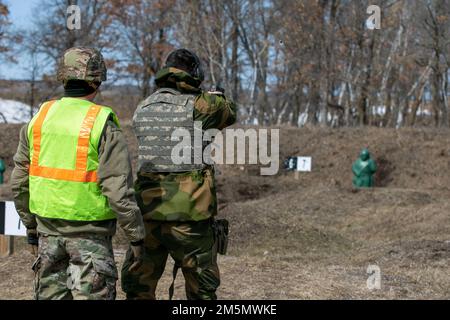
(315, 237)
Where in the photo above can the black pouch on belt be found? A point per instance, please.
(221, 235)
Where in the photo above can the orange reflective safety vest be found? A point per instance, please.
(64, 137)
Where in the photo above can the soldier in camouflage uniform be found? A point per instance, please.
(178, 202)
(70, 214)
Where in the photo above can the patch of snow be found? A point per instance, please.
(302, 119)
(14, 111)
(378, 110)
(424, 112)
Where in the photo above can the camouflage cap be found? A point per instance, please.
(82, 63)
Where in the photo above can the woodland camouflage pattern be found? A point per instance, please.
(81, 63)
(80, 268)
(192, 247)
(189, 196)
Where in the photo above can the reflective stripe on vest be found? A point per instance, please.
(79, 174)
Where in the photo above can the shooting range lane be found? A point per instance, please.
(296, 239)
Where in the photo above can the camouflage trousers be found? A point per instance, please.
(190, 244)
(75, 268)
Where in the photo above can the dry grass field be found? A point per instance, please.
(315, 237)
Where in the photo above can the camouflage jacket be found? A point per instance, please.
(187, 196)
(114, 177)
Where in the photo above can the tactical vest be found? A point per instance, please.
(155, 124)
(64, 137)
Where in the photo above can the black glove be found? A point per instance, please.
(220, 228)
(137, 248)
(33, 241)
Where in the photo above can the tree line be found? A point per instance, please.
(283, 61)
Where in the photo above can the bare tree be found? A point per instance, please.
(52, 37)
(143, 30)
(436, 25)
(4, 23)
(283, 61)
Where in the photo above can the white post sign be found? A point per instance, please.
(13, 224)
(304, 164)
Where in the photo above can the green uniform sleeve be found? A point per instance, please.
(19, 180)
(116, 181)
(215, 111)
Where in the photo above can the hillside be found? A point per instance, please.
(315, 237)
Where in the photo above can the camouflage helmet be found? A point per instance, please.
(82, 63)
